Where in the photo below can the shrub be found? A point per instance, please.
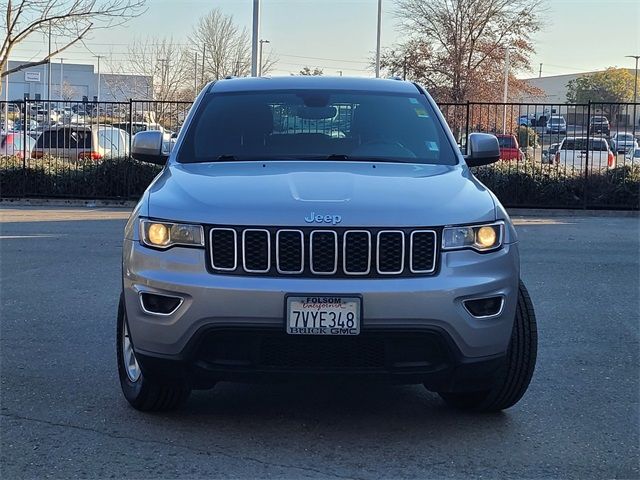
(533, 184)
(54, 177)
(527, 137)
(525, 184)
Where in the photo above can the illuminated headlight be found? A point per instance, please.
(477, 237)
(165, 234)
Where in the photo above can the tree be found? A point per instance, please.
(165, 62)
(68, 20)
(457, 48)
(68, 91)
(316, 72)
(223, 49)
(612, 85)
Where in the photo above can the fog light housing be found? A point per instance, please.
(159, 304)
(484, 307)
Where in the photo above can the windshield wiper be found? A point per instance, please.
(227, 157)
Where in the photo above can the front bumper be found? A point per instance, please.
(389, 304)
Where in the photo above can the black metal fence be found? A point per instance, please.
(81, 149)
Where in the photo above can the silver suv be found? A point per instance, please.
(313, 227)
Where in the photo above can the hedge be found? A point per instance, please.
(516, 184)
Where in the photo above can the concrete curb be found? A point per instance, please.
(65, 202)
(563, 212)
(129, 204)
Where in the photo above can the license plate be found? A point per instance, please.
(323, 315)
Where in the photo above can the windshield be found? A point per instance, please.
(581, 144)
(556, 120)
(506, 142)
(316, 124)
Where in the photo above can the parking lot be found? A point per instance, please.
(63, 415)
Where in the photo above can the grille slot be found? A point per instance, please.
(422, 256)
(290, 251)
(390, 252)
(323, 252)
(224, 249)
(256, 251)
(356, 252)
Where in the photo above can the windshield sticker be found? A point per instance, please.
(421, 112)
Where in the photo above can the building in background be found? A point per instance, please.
(554, 94)
(554, 88)
(78, 81)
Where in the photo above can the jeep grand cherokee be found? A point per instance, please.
(314, 227)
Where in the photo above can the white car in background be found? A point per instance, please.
(578, 152)
(632, 157)
(622, 142)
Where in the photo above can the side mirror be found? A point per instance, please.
(483, 150)
(148, 147)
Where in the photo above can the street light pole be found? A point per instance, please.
(378, 35)
(61, 76)
(98, 91)
(635, 93)
(506, 91)
(254, 38)
(260, 62)
(49, 68)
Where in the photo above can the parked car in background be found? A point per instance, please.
(136, 127)
(632, 157)
(20, 125)
(599, 124)
(509, 148)
(622, 141)
(526, 121)
(6, 125)
(577, 151)
(78, 142)
(15, 144)
(549, 155)
(556, 124)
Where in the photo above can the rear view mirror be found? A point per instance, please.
(483, 149)
(317, 113)
(149, 147)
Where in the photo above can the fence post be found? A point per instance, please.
(585, 192)
(128, 163)
(466, 132)
(24, 146)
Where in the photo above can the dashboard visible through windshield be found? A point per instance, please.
(316, 125)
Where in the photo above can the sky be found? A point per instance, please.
(340, 35)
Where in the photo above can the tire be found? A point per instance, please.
(141, 392)
(520, 364)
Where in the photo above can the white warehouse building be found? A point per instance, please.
(75, 82)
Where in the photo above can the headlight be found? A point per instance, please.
(477, 237)
(166, 234)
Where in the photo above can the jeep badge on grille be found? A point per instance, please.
(318, 218)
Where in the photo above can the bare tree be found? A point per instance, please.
(223, 49)
(157, 72)
(458, 47)
(68, 20)
(316, 72)
(67, 91)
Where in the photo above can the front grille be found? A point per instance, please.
(370, 253)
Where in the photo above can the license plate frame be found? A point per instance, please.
(351, 302)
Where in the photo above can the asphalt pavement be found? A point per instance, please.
(63, 416)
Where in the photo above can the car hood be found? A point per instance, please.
(284, 193)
